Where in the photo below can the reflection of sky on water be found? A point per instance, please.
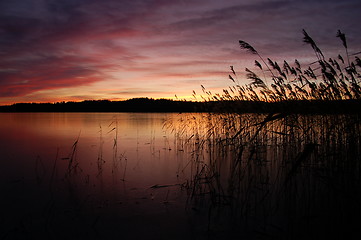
(273, 171)
(109, 182)
(141, 143)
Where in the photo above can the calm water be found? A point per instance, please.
(92, 175)
(215, 176)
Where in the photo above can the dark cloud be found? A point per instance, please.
(45, 72)
(241, 12)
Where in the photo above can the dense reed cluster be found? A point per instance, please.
(324, 79)
(279, 175)
(294, 176)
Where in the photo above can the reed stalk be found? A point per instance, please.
(279, 173)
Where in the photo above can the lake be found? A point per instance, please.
(179, 176)
(92, 175)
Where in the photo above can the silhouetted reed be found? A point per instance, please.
(73, 165)
(276, 178)
(279, 174)
(324, 79)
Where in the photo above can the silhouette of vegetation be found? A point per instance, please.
(274, 176)
(279, 173)
(323, 86)
(164, 105)
(131, 105)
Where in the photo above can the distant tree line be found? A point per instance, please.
(131, 105)
(166, 105)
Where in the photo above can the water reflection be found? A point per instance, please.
(91, 175)
(201, 176)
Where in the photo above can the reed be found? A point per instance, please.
(273, 177)
(278, 175)
(100, 159)
(324, 79)
(73, 164)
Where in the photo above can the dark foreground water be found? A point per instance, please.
(92, 176)
(197, 176)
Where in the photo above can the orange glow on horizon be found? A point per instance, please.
(56, 100)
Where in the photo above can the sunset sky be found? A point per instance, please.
(71, 50)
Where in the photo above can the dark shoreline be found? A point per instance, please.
(165, 105)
